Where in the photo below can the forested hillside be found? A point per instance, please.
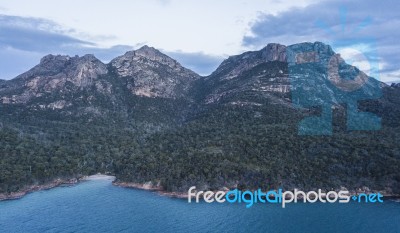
(144, 117)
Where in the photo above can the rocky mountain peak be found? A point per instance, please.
(89, 58)
(54, 58)
(277, 68)
(151, 73)
(235, 65)
(57, 63)
(274, 52)
(52, 74)
(145, 55)
(149, 52)
(310, 52)
(307, 51)
(51, 63)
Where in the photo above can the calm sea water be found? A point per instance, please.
(98, 206)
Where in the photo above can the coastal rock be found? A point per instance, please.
(33, 188)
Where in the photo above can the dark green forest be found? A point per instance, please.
(223, 146)
(247, 138)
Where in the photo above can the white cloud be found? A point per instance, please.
(213, 27)
(198, 34)
(340, 23)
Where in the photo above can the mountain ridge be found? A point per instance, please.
(145, 118)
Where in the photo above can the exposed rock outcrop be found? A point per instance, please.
(55, 73)
(151, 73)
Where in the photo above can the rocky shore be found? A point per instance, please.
(55, 183)
(149, 186)
(38, 187)
(144, 186)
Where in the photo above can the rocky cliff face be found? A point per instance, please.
(263, 71)
(277, 69)
(150, 73)
(144, 117)
(274, 52)
(396, 85)
(272, 73)
(298, 53)
(83, 84)
(54, 74)
(235, 65)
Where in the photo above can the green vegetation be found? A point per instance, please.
(223, 145)
(247, 138)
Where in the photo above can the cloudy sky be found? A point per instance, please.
(199, 34)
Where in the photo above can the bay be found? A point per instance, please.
(98, 206)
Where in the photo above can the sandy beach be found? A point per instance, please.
(98, 177)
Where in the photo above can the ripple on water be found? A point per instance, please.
(98, 206)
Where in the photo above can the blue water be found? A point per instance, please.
(98, 206)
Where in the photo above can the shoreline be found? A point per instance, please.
(184, 195)
(38, 187)
(97, 177)
(50, 185)
(148, 186)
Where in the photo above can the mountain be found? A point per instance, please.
(268, 71)
(67, 88)
(54, 74)
(235, 74)
(292, 116)
(152, 74)
(147, 71)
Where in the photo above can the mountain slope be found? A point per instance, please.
(144, 117)
(67, 88)
(152, 74)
